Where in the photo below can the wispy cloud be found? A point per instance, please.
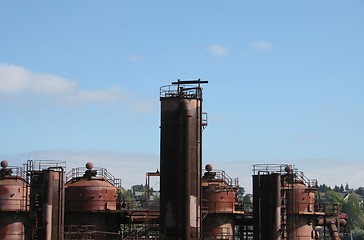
(15, 79)
(260, 45)
(18, 83)
(217, 50)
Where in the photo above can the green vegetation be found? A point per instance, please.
(136, 197)
(351, 202)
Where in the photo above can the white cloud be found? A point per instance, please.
(260, 45)
(18, 83)
(15, 79)
(217, 50)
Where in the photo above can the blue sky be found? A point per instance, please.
(79, 81)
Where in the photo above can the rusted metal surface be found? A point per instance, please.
(180, 160)
(284, 205)
(46, 204)
(12, 202)
(12, 230)
(90, 195)
(300, 205)
(267, 206)
(91, 200)
(218, 201)
(218, 191)
(12, 196)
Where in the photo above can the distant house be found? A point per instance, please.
(345, 196)
(359, 197)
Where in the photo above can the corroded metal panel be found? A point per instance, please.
(90, 195)
(180, 162)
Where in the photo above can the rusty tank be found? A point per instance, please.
(283, 203)
(91, 203)
(13, 210)
(300, 200)
(46, 200)
(180, 159)
(218, 204)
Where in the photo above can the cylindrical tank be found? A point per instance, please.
(46, 204)
(180, 160)
(267, 206)
(283, 203)
(218, 198)
(90, 195)
(91, 201)
(12, 202)
(300, 203)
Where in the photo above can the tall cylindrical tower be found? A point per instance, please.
(180, 160)
(46, 212)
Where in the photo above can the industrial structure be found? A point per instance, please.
(42, 201)
(218, 204)
(180, 159)
(285, 206)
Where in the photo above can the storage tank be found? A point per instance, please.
(91, 200)
(12, 202)
(267, 206)
(284, 203)
(218, 200)
(180, 160)
(46, 207)
(300, 199)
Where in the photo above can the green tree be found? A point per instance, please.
(126, 198)
(347, 189)
(332, 199)
(355, 213)
(360, 191)
(240, 194)
(324, 188)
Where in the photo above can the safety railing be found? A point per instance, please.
(101, 173)
(259, 169)
(17, 172)
(39, 165)
(221, 174)
(181, 91)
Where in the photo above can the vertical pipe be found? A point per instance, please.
(199, 164)
(60, 202)
(48, 205)
(186, 159)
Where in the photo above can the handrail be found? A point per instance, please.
(259, 169)
(17, 172)
(221, 174)
(38, 165)
(183, 91)
(101, 173)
